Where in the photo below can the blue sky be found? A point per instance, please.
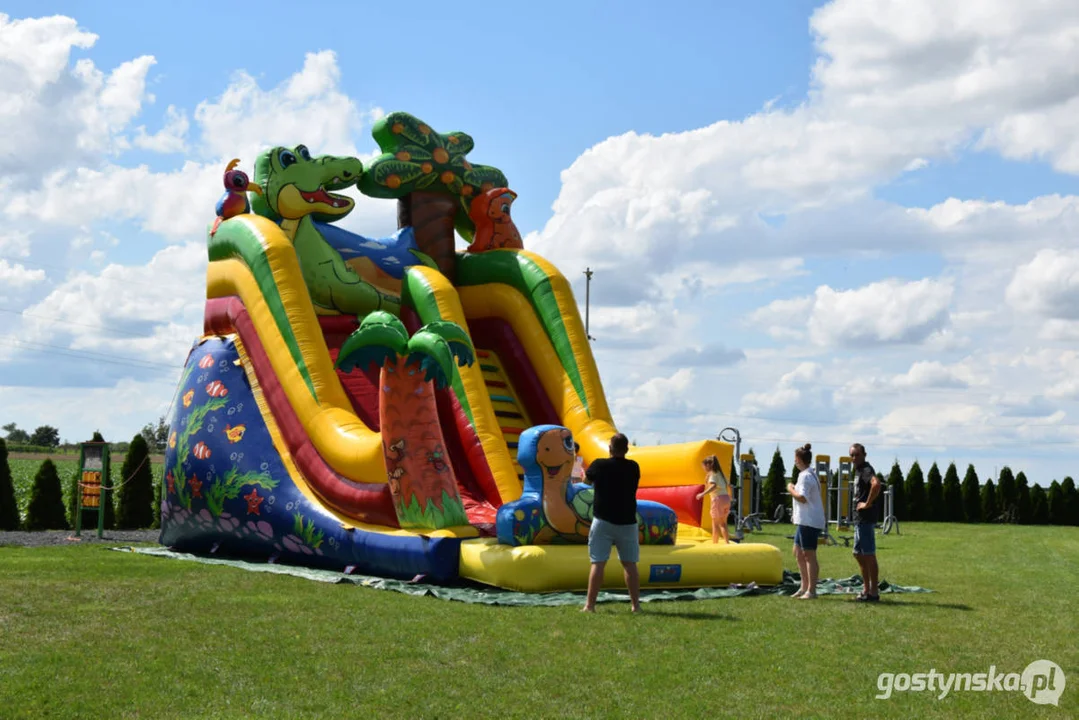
(911, 287)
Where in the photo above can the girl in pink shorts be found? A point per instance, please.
(716, 485)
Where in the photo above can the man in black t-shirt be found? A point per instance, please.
(867, 488)
(614, 520)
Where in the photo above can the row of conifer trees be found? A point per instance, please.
(131, 505)
(933, 497)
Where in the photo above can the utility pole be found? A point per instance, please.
(587, 300)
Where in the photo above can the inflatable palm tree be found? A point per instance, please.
(421, 479)
(426, 171)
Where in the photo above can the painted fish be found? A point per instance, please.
(235, 434)
(187, 397)
(172, 440)
(217, 389)
(200, 451)
(206, 362)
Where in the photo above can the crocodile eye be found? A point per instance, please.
(303, 152)
(286, 158)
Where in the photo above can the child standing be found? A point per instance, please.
(808, 517)
(577, 474)
(716, 485)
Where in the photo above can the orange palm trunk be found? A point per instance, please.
(421, 478)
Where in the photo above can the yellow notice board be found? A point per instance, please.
(91, 489)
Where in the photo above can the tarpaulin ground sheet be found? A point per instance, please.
(484, 595)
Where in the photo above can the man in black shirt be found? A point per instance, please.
(614, 520)
(867, 487)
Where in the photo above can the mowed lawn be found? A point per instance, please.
(87, 632)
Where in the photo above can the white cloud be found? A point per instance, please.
(799, 391)
(784, 319)
(53, 114)
(15, 242)
(152, 311)
(309, 107)
(131, 404)
(169, 139)
(933, 374)
(664, 394)
(881, 313)
(306, 108)
(1048, 285)
(703, 278)
(16, 277)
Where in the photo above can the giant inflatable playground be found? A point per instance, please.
(396, 406)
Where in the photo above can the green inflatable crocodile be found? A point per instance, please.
(297, 192)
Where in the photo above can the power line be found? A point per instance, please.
(46, 348)
(54, 319)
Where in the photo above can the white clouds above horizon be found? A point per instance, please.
(672, 223)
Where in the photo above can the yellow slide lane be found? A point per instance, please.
(340, 437)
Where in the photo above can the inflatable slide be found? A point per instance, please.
(401, 407)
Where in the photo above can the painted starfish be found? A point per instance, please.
(196, 486)
(253, 502)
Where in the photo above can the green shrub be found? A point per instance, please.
(1039, 506)
(46, 510)
(934, 496)
(916, 509)
(1007, 493)
(9, 508)
(136, 495)
(953, 496)
(990, 509)
(1058, 512)
(1023, 503)
(972, 504)
(1071, 502)
(774, 485)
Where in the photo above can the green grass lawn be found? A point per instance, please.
(86, 632)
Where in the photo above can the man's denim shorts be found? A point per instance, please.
(602, 535)
(865, 543)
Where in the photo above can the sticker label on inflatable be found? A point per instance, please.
(665, 573)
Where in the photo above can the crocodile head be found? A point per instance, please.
(295, 184)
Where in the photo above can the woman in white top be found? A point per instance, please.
(716, 484)
(808, 519)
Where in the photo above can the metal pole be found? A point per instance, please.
(587, 299)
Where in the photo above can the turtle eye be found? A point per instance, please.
(567, 444)
(286, 158)
(505, 209)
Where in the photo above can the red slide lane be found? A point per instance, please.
(474, 480)
(366, 502)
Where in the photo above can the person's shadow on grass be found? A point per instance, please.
(690, 614)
